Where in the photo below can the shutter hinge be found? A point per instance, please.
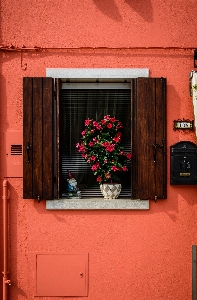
(155, 199)
(39, 199)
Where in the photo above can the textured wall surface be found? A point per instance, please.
(138, 255)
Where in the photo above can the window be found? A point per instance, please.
(43, 160)
(94, 101)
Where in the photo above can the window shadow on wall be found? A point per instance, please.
(109, 8)
(143, 8)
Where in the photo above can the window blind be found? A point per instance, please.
(79, 105)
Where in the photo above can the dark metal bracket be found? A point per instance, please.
(28, 151)
(157, 146)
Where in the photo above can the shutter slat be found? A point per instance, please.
(149, 165)
(37, 138)
(59, 138)
(27, 138)
(48, 186)
(161, 138)
(145, 137)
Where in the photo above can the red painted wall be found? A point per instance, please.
(138, 255)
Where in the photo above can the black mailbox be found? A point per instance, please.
(183, 163)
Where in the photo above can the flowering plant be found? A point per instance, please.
(100, 146)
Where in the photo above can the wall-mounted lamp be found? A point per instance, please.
(195, 58)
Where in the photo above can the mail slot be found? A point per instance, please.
(183, 163)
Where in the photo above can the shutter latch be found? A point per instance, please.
(156, 146)
(28, 151)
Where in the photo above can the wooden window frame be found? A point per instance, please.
(142, 183)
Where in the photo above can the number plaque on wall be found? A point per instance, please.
(183, 124)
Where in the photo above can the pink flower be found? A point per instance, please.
(95, 140)
(103, 122)
(129, 155)
(95, 167)
(116, 139)
(124, 168)
(113, 120)
(87, 122)
(96, 124)
(98, 127)
(91, 144)
(110, 148)
(99, 179)
(122, 153)
(105, 144)
(114, 168)
(83, 132)
(81, 148)
(119, 125)
(109, 125)
(93, 158)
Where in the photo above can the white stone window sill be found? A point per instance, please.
(97, 203)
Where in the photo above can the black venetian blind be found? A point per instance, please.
(79, 105)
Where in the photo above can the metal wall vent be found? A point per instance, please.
(13, 153)
(16, 149)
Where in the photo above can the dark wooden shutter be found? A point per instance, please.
(38, 137)
(148, 138)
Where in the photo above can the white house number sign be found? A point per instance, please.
(183, 124)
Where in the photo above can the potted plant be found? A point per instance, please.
(101, 147)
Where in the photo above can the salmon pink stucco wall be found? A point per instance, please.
(139, 254)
